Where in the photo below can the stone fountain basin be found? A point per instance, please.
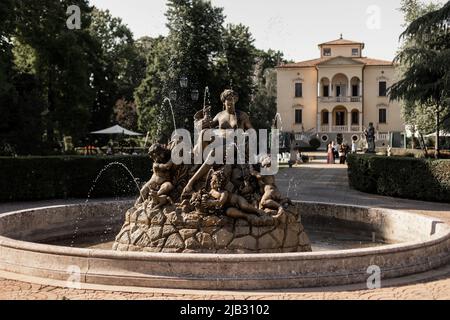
(421, 244)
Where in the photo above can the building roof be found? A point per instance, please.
(315, 62)
(341, 41)
(374, 62)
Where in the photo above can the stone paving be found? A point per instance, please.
(438, 289)
(312, 182)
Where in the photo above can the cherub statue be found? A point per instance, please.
(235, 206)
(272, 201)
(245, 184)
(160, 185)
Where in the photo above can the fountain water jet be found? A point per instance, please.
(94, 184)
(171, 109)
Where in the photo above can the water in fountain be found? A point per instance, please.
(171, 109)
(94, 184)
(289, 187)
(206, 97)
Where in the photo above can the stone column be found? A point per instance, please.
(330, 121)
(360, 122)
(349, 121)
(319, 122)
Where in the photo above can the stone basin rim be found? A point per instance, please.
(442, 236)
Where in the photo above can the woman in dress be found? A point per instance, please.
(330, 155)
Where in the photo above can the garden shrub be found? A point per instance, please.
(38, 178)
(420, 179)
(315, 143)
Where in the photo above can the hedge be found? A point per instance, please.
(39, 178)
(410, 178)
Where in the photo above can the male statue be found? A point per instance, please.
(370, 138)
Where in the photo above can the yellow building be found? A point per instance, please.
(336, 96)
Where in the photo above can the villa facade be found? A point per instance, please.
(336, 96)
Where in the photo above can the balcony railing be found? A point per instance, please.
(382, 136)
(339, 129)
(339, 99)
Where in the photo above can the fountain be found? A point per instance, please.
(212, 209)
(218, 227)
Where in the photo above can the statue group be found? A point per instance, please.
(212, 208)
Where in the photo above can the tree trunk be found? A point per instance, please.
(425, 149)
(438, 153)
(51, 109)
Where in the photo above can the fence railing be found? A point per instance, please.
(339, 129)
(340, 99)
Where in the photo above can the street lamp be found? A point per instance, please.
(195, 95)
(183, 82)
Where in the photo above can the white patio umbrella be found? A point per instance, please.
(441, 133)
(117, 130)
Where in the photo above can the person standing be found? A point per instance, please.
(330, 154)
(342, 151)
(299, 157)
(354, 147)
(335, 149)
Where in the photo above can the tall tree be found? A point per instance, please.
(62, 63)
(194, 42)
(153, 117)
(126, 114)
(119, 67)
(263, 106)
(199, 49)
(238, 62)
(418, 118)
(7, 18)
(426, 59)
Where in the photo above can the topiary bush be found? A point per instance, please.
(419, 179)
(315, 143)
(38, 178)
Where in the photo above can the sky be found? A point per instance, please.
(294, 27)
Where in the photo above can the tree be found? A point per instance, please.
(194, 43)
(152, 116)
(125, 114)
(424, 61)
(119, 66)
(62, 63)
(238, 63)
(263, 107)
(24, 125)
(191, 51)
(7, 17)
(7, 92)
